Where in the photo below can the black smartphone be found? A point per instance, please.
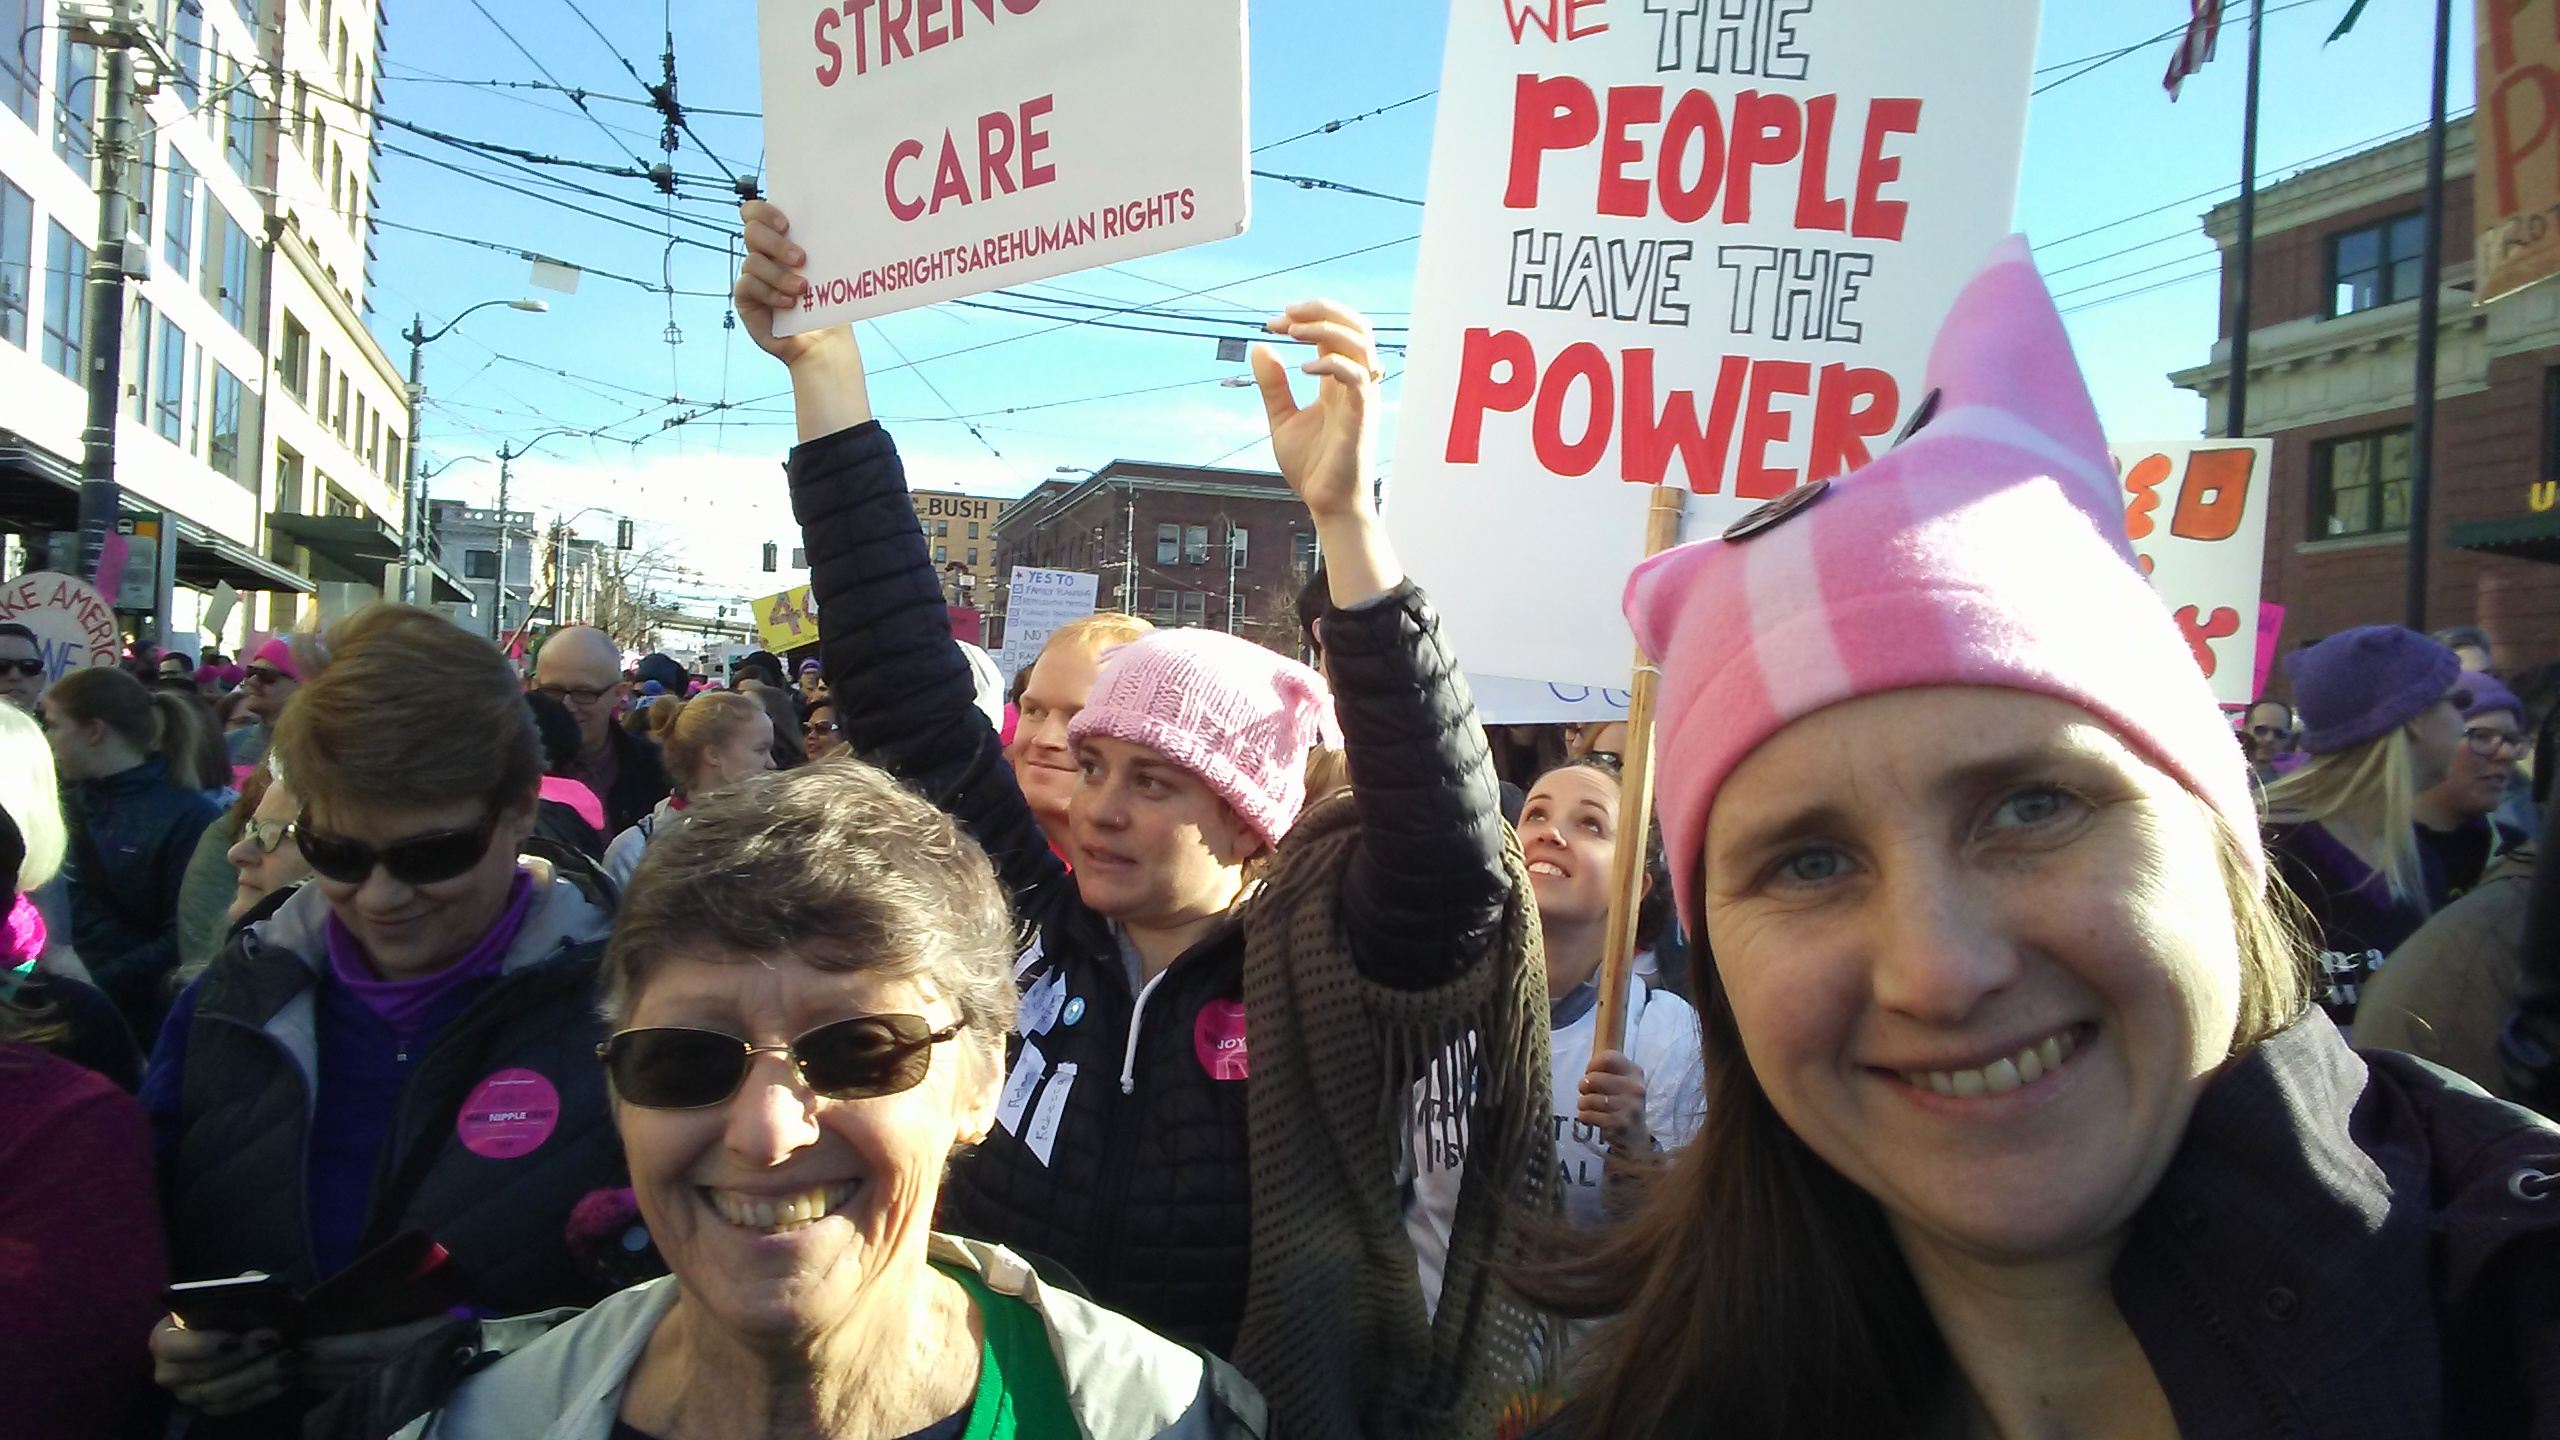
(407, 1277)
(237, 1305)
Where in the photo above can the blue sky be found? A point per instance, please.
(2114, 180)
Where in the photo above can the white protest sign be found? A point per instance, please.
(929, 149)
(1036, 602)
(74, 624)
(2196, 511)
(1695, 242)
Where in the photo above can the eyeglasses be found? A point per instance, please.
(2270, 732)
(816, 728)
(267, 835)
(580, 696)
(419, 860)
(2486, 743)
(263, 675)
(676, 1067)
(24, 669)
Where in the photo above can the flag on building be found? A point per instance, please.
(2204, 25)
(2354, 12)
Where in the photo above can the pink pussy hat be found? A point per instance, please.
(1239, 717)
(279, 653)
(1986, 549)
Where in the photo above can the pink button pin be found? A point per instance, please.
(508, 1114)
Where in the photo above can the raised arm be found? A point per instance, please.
(1425, 892)
(902, 690)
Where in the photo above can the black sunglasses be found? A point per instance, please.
(675, 1067)
(28, 669)
(418, 860)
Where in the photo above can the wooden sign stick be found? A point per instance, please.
(1635, 803)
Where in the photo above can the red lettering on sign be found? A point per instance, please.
(2214, 494)
(2143, 484)
(1879, 218)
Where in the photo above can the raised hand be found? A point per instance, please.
(827, 387)
(1325, 449)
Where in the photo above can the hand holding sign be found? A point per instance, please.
(825, 364)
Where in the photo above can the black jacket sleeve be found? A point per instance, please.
(902, 690)
(1424, 896)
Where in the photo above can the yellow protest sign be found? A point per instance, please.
(787, 621)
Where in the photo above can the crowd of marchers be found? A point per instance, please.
(1183, 1040)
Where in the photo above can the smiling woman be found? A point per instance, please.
(2020, 1121)
(810, 986)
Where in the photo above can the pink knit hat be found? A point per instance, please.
(1238, 716)
(1987, 549)
(279, 653)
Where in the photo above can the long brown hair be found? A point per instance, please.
(1756, 1291)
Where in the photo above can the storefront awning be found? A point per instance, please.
(448, 588)
(361, 545)
(2523, 537)
(206, 560)
(41, 491)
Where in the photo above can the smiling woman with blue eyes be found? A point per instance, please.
(2020, 1119)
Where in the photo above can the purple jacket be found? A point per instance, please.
(2352, 1245)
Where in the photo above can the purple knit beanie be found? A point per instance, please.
(1239, 717)
(2488, 695)
(2362, 684)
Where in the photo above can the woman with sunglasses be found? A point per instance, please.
(2381, 711)
(406, 1043)
(2019, 1119)
(712, 742)
(822, 731)
(810, 985)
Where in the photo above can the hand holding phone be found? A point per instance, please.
(221, 1372)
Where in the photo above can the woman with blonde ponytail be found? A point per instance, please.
(2381, 712)
(133, 826)
(713, 741)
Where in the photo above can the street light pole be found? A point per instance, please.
(412, 536)
(507, 456)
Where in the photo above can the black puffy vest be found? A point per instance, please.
(236, 1189)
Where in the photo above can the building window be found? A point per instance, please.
(17, 244)
(1195, 607)
(479, 564)
(186, 37)
(395, 472)
(66, 295)
(941, 529)
(178, 219)
(338, 417)
(240, 123)
(1302, 553)
(1195, 544)
(137, 359)
(288, 480)
(973, 529)
(1165, 598)
(293, 359)
(75, 104)
(227, 267)
(2377, 265)
(941, 554)
(223, 454)
(2360, 485)
(1237, 550)
(21, 65)
(1168, 544)
(343, 505)
(169, 396)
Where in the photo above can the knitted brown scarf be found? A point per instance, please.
(1335, 1333)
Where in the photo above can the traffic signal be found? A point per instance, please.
(772, 557)
(622, 532)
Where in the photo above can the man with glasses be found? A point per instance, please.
(271, 678)
(2267, 735)
(2454, 817)
(581, 667)
(21, 667)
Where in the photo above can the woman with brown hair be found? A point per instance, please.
(2020, 1120)
(135, 808)
(711, 742)
(407, 1043)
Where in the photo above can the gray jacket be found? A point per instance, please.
(1123, 1381)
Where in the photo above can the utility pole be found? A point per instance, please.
(410, 529)
(1129, 556)
(497, 612)
(1231, 574)
(2236, 412)
(2422, 413)
(118, 28)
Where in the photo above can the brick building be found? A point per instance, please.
(1159, 538)
(962, 531)
(2333, 321)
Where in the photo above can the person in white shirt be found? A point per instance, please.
(1647, 1097)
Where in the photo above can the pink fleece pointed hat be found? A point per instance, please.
(1988, 548)
(1239, 717)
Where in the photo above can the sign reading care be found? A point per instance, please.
(1695, 242)
(929, 149)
